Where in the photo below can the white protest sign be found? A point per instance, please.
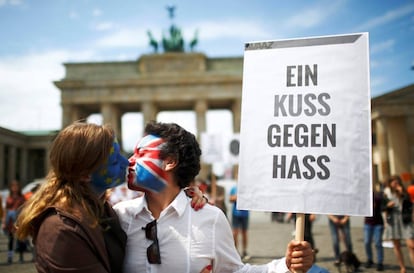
(211, 146)
(305, 138)
(232, 149)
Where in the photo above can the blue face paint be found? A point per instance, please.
(112, 173)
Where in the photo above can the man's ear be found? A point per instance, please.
(170, 163)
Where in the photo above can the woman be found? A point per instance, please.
(72, 226)
(398, 228)
(13, 203)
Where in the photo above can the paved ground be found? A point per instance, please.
(267, 241)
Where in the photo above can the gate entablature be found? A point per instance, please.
(153, 83)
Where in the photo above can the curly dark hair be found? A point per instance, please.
(181, 145)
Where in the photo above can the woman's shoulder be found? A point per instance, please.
(49, 224)
(55, 222)
(54, 216)
(58, 217)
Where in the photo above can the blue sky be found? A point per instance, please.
(38, 36)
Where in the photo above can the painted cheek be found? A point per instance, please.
(124, 161)
(134, 157)
(120, 169)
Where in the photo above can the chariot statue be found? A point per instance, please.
(174, 41)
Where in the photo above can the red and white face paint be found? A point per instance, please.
(150, 174)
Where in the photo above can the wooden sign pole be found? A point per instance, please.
(300, 229)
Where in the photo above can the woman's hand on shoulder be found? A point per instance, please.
(207, 269)
(198, 200)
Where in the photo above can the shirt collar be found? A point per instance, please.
(179, 204)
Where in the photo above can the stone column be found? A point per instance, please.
(66, 115)
(236, 111)
(2, 167)
(23, 165)
(397, 139)
(149, 112)
(201, 110)
(71, 113)
(46, 160)
(112, 115)
(382, 145)
(11, 172)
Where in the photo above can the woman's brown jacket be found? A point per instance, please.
(65, 242)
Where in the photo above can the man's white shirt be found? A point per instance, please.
(189, 240)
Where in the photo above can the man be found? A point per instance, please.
(164, 233)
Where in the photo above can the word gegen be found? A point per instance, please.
(301, 135)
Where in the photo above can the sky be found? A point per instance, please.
(37, 37)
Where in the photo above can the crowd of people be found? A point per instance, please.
(170, 220)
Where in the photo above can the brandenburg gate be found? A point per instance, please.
(155, 82)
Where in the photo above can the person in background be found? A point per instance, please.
(1, 212)
(201, 184)
(13, 204)
(340, 225)
(164, 234)
(240, 224)
(28, 242)
(410, 190)
(220, 194)
(29, 194)
(220, 199)
(399, 220)
(374, 229)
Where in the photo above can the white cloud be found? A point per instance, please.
(103, 26)
(11, 2)
(387, 18)
(73, 15)
(376, 83)
(15, 2)
(29, 99)
(313, 16)
(208, 30)
(383, 46)
(215, 37)
(97, 12)
(211, 30)
(124, 38)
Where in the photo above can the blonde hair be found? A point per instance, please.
(77, 151)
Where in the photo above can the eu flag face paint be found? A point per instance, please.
(112, 173)
(150, 174)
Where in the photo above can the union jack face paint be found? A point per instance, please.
(150, 174)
